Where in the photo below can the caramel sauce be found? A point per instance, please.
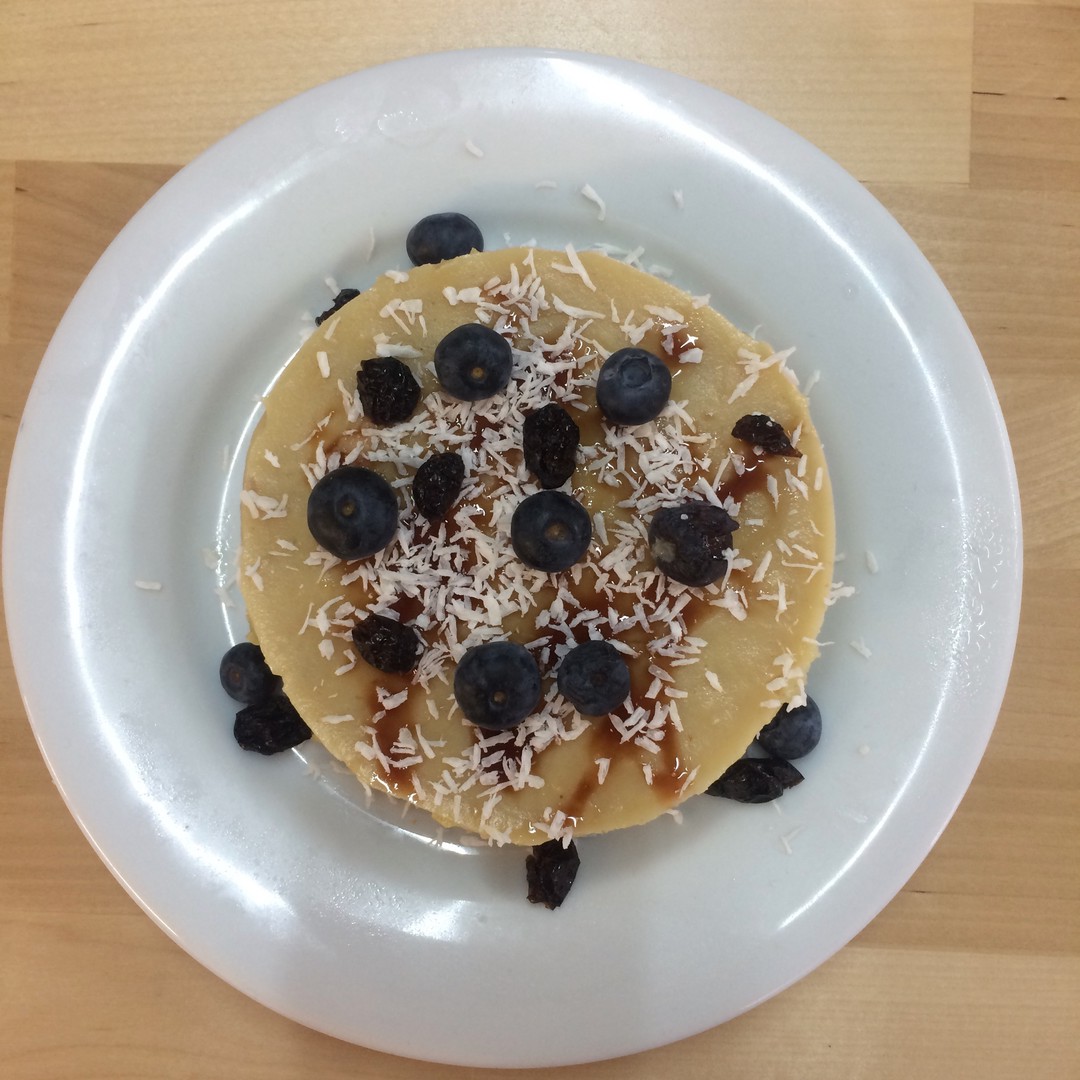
(669, 344)
(481, 426)
(511, 752)
(682, 341)
(605, 742)
(671, 776)
(754, 478)
(406, 608)
(397, 779)
(509, 324)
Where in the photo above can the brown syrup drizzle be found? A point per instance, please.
(481, 426)
(682, 341)
(398, 779)
(753, 479)
(669, 774)
(407, 608)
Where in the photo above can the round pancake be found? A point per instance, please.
(709, 666)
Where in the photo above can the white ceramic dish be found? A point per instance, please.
(273, 872)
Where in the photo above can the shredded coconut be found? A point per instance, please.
(590, 194)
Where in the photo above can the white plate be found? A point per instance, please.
(281, 881)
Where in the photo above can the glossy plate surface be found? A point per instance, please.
(273, 872)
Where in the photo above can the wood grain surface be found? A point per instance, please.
(964, 120)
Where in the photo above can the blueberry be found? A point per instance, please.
(497, 684)
(594, 678)
(792, 733)
(633, 387)
(550, 531)
(755, 780)
(437, 484)
(339, 302)
(270, 727)
(442, 236)
(386, 644)
(549, 441)
(387, 389)
(688, 541)
(550, 870)
(245, 675)
(352, 512)
(473, 362)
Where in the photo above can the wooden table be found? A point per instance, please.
(964, 119)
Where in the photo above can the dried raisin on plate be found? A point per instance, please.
(691, 541)
(437, 484)
(550, 871)
(342, 298)
(386, 644)
(550, 439)
(387, 389)
(763, 431)
(755, 780)
(270, 727)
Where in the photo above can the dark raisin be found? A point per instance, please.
(437, 484)
(388, 390)
(755, 780)
(271, 726)
(340, 301)
(690, 541)
(550, 439)
(763, 431)
(387, 644)
(783, 770)
(550, 871)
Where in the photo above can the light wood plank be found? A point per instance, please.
(1005, 876)
(1011, 836)
(18, 365)
(853, 1018)
(1066, 4)
(1026, 103)
(1043, 416)
(65, 216)
(882, 87)
(1012, 263)
(7, 225)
